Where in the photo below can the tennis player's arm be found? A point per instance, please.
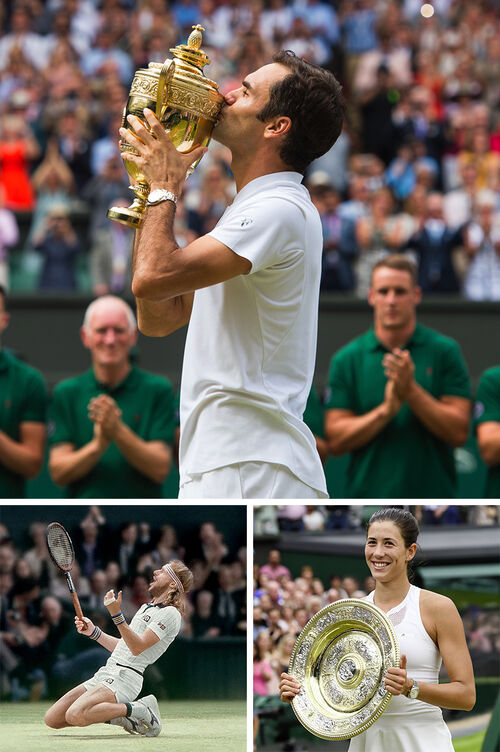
(460, 692)
(25, 456)
(164, 276)
(137, 644)
(108, 641)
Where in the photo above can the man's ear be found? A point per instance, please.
(278, 127)
(84, 337)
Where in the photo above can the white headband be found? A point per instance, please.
(172, 574)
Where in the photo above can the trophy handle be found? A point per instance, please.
(163, 81)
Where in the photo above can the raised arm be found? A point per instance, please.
(164, 275)
(87, 628)
(137, 644)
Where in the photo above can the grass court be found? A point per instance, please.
(211, 726)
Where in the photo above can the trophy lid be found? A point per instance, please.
(191, 52)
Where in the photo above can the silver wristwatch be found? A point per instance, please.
(159, 195)
(413, 693)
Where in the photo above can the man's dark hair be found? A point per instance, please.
(312, 98)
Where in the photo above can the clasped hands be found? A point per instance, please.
(400, 372)
(106, 416)
(396, 681)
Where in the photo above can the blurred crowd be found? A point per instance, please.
(271, 519)
(416, 170)
(40, 650)
(284, 603)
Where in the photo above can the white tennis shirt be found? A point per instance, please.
(164, 621)
(251, 343)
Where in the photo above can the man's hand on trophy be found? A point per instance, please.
(157, 158)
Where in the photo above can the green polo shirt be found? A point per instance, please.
(147, 405)
(23, 398)
(487, 408)
(404, 460)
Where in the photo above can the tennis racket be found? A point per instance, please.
(62, 554)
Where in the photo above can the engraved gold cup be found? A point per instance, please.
(186, 103)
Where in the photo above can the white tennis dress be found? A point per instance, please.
(409, 725)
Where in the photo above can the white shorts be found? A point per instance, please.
(248, 480)
(125, 683)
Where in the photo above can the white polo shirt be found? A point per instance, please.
(251, 343)
(164, 621)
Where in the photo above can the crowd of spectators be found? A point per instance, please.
(416, 170)
(270, 520)
(40, 650)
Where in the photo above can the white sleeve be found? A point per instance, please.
(166, 622)
(265, 233)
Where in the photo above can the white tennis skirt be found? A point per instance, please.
(413, 734)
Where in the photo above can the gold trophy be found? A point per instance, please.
(187, 104)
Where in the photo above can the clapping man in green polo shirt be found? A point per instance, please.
(399, 397)
(23, 404)
(111, 428)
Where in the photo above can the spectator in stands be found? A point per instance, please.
(207, 205)
(262, 672)
(54, 185)
(459, 203)
(205, 623)
(113, 425)
(59, 247)
(102, 191)
(274, 569)
(434, 244)
(22, 420)
(482, 243)
(487, 162)
(89, 544)
(409, 403)
(339, 241)
(377, 235)
(103, 56)
(9, 235)
(229, 604)
(437, 514)
(487, 426)
(18, 148)
(128, 549)
(111, 256)
(74, 141)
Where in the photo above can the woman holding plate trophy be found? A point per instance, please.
(429, 631)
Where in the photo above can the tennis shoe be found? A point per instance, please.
(146, 714)
(128, 724)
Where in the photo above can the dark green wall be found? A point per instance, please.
(45, 332)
